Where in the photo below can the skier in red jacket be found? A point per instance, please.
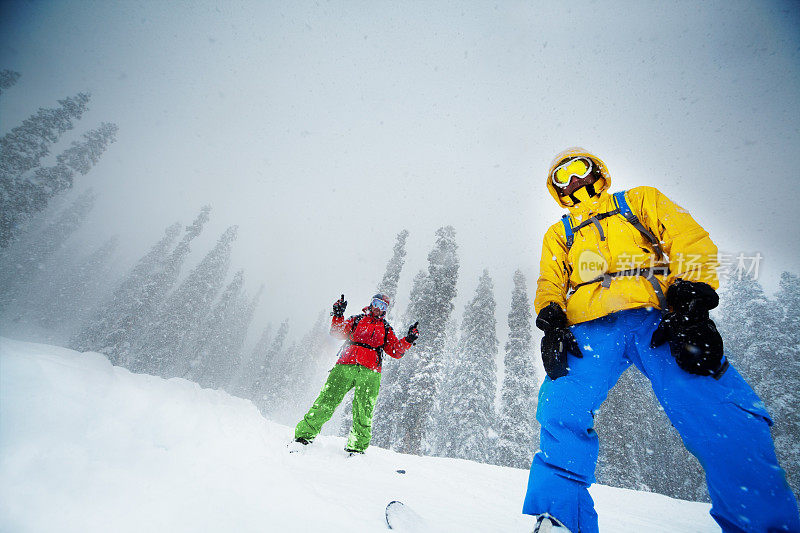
(367, 336)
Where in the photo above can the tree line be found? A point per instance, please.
(445, 398)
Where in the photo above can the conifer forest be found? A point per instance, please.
(468, 389)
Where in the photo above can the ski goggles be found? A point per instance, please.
(379, 304)
(580, 167)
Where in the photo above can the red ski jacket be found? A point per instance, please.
(367, 341)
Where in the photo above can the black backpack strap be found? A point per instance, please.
(356, 320)
(376, 349)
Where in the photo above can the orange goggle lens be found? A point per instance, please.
(579, 168)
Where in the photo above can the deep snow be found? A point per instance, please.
(86, 446)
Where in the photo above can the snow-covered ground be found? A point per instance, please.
(86, 446)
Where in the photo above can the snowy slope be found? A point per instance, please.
(86, 446)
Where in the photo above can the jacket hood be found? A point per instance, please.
(601, 185)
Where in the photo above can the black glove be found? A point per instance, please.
(558, 340)
(413, 333)
(339, 306)
(693, 338)
(683, 295)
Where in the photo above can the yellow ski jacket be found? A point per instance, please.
(612, 244)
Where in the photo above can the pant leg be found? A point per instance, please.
(368, 384)
(340, 380)
(725, 425)
(564, 467)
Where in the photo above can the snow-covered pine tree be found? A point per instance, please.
(250, 378)
(23, 147)
(388, 284)
(21, 150)
(158, 285)
(108, 331)
(52, 238)
(166, 351)
(434, 311)
(467, 415)
(639, 448)
(518, 429)
(240, 324)
(438, 440)
(392, 398)
(80, 157)
(7, 79)
(121, 322)
(211, 360)
(761, 338)
(273, 378)
(74, 289)
(308, 369)
(786, 379)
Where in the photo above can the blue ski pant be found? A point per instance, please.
(722, 422)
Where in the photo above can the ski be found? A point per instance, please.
(401, 517)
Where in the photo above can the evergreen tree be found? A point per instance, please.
(212, 363)
(24, 146)
(7, 79)
(639, 448)
(467, 412)
(434, 309)
(34, 193)
(308, 368)
(272, 379)
(166, 351)
(395, 374)
(388, 285)
(761, 339)
(79, 157)
(74, 289)
(121, 323)
(47, 242)
(250, 378)
(785, 378)
(439, 439)
(240, 324)
(21, 150)
(518, 430)
(82, 155)
(108, 331)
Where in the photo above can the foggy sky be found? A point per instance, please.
(324, 128)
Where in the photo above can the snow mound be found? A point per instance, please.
(86, 446)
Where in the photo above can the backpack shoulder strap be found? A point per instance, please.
(626, 211)
(356, 320)
(568, 230)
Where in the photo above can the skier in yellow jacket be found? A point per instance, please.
(625, 279)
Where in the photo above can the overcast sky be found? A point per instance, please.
(324, 128)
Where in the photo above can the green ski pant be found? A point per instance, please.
(341, 379)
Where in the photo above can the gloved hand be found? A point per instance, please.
(413, 333)
(558, 340)
(339, 306)
(693, 338)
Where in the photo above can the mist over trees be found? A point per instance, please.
(455, 393)
(26, 187)
(465, 419)
(517, 427)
